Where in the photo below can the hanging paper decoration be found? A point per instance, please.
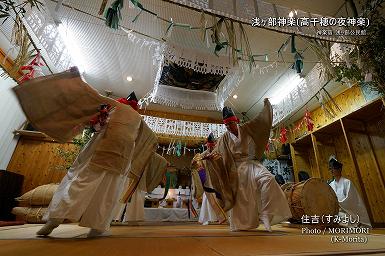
(283, 135)
(33, 67)
(179, 149)
(163, 149)
(298, 126)
(170, 147)
(113, 17)
(308, 121)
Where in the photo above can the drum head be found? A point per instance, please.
(318, 198)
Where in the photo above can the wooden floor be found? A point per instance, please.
(182, 239)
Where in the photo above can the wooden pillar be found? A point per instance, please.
(295, 165)
(316, 154)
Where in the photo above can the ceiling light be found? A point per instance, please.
(291, 13)
(235, 96)
(129, 78)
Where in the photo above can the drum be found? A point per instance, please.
(311, 197)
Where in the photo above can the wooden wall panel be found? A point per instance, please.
(313, 164)
(374, 186)
(304, 160)
(376, 132)
(354, 125)
(37, 160)
(325, 149)
(349, 101)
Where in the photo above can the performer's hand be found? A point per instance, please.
(216, 156)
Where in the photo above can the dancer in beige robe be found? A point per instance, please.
(248, 189)
(210, 210)
(61, 105)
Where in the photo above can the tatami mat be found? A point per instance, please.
(180, 239)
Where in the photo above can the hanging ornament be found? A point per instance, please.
(33, 68)
(298, 62)
(179, 149)
(113, 14)
(267, 147)
(283, 135)
(298, 59)
(308, 121)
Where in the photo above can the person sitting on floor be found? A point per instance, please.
(351, 204)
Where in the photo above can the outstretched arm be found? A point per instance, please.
(59, 104)
(259, 127)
